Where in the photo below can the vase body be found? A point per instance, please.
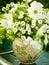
(27, 54)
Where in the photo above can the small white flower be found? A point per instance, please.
(14, 27)
(22, 30)
(24, 5)
(6, 23)
(47, 18)
(33, 23)
(40, 21)
(10, 25)
(46, 40)
(20, 16)
(7, 6)
(8, 31)
(28, 28)
(23, 38)
(8, 16)
(17, 23)
(12, 4)
(25, 42)
(36, 28)
(43, 29)
(3, 9)
(48, 31)
(14, 8)
(40, 32)
(27, 25)
(3, 23)
(29, 38)
(14, 30)
(21, 13)
(28, 0)
(16, 5)
(9, 22)
(29, 32)
(22, 23)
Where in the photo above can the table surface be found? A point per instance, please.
(42, 60)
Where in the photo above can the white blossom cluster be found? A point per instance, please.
(31, 24)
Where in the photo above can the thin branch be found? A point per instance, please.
(2, 53)
(26, 3)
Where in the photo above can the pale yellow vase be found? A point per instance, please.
(27, 54)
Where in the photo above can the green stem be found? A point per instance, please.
(2, 53)
(26, 3)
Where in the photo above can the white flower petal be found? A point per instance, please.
(35, 9)
(46, 40)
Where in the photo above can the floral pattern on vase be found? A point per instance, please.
(27, 54)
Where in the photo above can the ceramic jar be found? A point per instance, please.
(27, 54)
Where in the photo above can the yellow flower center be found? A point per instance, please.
(35, 11)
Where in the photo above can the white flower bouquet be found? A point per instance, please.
(31, 23)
